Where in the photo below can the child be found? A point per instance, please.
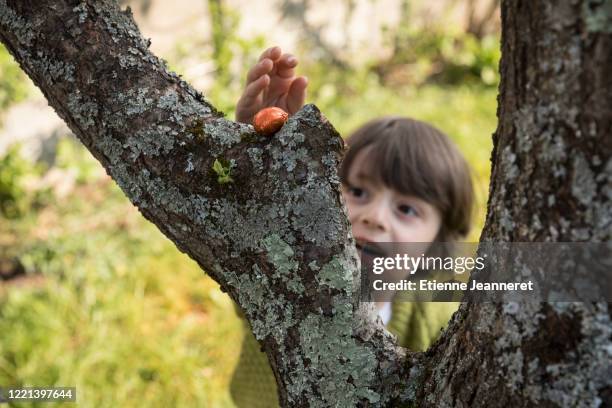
(402, 181)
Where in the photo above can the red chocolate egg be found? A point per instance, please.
(269, 120)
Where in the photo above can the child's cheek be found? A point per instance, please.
(350, 207)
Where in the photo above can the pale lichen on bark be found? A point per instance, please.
(597, 15)
(277, 237)
(549, 183)
(158, 138)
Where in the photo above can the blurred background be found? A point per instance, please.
(94, 296)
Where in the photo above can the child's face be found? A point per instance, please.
(381, 214)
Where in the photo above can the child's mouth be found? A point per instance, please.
(370, 249)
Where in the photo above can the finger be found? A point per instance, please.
(262, 67)
(285, 66)
(281, 77)
(249, 104)
(272, 53)
(254, 89)
(297, 94)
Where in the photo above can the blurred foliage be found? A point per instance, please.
(15, 172)
(470, 59)
(442, 56)
(440, 50)
(110, 306)
(13, 168)
(70, 154)
(421, 50)
(13, 85)
(227, 51)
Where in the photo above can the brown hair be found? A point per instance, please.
(415, 158)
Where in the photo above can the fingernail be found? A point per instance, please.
(291, 60)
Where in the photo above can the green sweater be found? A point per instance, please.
(416, 326)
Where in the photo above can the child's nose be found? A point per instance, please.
(375, 217)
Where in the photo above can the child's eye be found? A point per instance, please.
(408, 210)
(356, 192)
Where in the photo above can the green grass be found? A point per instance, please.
(112, 307)
(120, 313)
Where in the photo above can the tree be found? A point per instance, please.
(264, 218)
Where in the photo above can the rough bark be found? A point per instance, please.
(551, 180)
(276, 237)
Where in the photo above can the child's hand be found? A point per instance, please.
(272, 82)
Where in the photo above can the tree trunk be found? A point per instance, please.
(551, 180)
(275, 236)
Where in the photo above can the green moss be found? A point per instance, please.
(222, 169)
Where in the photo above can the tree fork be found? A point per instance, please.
(277, 239)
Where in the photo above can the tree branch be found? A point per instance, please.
(275, 238)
